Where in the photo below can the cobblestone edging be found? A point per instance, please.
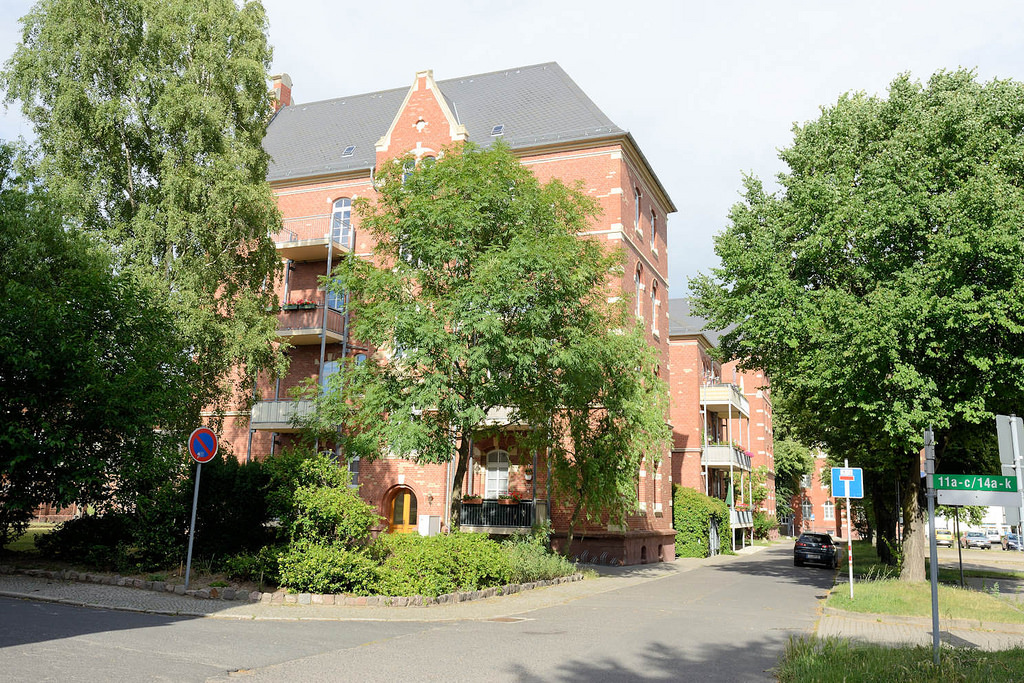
(283, 597)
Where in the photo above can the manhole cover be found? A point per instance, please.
(507, 620)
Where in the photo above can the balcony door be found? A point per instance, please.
(401, 509)
(497, 474)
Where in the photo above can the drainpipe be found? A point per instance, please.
(248, 450)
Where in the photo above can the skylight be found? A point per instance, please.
(498, 130)
(348, 151)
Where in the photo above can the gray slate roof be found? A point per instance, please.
(536, 104)
(681, 321)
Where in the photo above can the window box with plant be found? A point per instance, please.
(510, 498)
(470, 499)
(300, 305)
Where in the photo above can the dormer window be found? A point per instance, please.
(498, 130)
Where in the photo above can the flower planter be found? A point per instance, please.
(472, 501)
(508, 501)
(298, 307)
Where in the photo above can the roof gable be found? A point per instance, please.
(424, 116)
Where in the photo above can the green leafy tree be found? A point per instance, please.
(90, 363)
(882, 288)
(149, 116)
(485, 298)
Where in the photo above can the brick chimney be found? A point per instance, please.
(282, 86)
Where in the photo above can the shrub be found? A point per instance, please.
(232, 511)
(89, 540)
(692, 515)
(764, 524)
(312, 499)
(434, 565)
(261, 566)
(313, 568)
(530, 560)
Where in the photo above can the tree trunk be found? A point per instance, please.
(913, 524)
(461, 466)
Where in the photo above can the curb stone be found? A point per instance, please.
(282, 597)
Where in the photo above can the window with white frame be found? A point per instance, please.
(830, 510)
(334, 300)
(636, 210)
(496, 483)
(807, 510)
(329, 369)
(655, 307)
(805, 481)
(638, 285)
(654, 228)
(341, 221)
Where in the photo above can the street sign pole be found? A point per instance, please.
(202, 446)
(192, 525)
(929, 465)
(849, 534)
(1014, 436)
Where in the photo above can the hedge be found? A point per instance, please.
(692, 513)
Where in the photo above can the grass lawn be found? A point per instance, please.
(891, 596)
(813, 660)
(877, 590)
(26, 543)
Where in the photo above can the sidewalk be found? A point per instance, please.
(123, 598)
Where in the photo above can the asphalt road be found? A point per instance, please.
(726, 621)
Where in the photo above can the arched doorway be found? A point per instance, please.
(401, 510)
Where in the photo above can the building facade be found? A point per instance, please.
(721, 420)
(325, 155)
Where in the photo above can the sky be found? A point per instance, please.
(709, 90)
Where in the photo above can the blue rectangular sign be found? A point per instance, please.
(847, 482)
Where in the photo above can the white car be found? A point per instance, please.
(994, 537)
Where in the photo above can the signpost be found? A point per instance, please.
(1010, 435)
(202, 446)
(848, 482)
(933, 553)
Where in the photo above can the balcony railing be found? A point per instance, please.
(719, 398)
(741, 518)
(491, 513)
(306, 238)
(303, 325)
(724, 456)
(277, 415)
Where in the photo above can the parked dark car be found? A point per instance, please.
(816, 549)
(1011, 542)
(975, 539)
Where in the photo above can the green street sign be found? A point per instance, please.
(975, 482)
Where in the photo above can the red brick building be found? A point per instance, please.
(324, 156)
(721, 419)
(814, 508)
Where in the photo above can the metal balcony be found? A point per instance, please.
(491, 516)
(303, 325)
(724, 398)
(308, 238)
(740, 519)
(277, 416)
(725, 456)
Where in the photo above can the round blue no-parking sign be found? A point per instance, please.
(202, 445)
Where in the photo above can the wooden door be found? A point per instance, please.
(402, 516)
